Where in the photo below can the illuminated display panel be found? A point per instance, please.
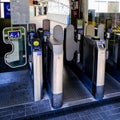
(14, 35)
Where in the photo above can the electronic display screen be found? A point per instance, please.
(14, 35)
(79, 24)
(32, 27)
(46, 25)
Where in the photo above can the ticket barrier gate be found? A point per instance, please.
(36, 44)
(53, 48)
(37, 69)
(113, 61)
(114, 44)
(55, 66)
(94, 65)
(38, 40)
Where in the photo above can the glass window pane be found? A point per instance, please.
(4, 0)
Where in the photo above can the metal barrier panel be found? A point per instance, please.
(101, 58)
(94, 65)
(56, 66)
(38, 75)
(36, 44)
(56, 73)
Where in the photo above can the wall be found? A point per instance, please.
(39, 22)
(31, 2)
(59, 10)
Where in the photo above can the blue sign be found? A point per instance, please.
(6, 9)
(39, 53)
(14, 35)
(100, 42)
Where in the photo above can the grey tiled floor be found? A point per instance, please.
(16, 96)
(16, 93)
(109, 110)
(15, 88)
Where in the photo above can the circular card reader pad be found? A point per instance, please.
(36, 43)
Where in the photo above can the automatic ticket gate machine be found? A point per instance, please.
(94, 53)
(113, 47)
(38, 41)
(113, 61)
(94, 65)
(55, 66)
(35, 40)
(37, 69)
(15, 36)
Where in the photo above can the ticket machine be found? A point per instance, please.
(16, 36)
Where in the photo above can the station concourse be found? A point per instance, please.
(59, 64)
